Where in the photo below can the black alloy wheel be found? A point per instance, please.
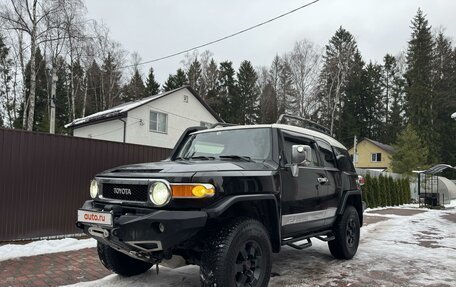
(250, 264)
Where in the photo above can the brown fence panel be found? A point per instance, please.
(45, 178)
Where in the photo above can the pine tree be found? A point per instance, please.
(274, 79)
(152, 86)
(444, 87)
(268, 105)
(175, 81)
(94, 102)
(400, 190)
(135, 89)
(194, 75)
(371, 121)
(338, 60)
(378, 192)
(111, 83)
(76, 84)
(420, 97)
(393, 100)
(62, 102)
(382, 189)
(410, 153)
(394, 197)
(370, 191)
(286, 93)
(212, 85)
(353, 112)
(407, 190)
(41, 117)
(248, 93)
(229, 100)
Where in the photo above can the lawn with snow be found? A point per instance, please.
(9, 251)
(416, 250)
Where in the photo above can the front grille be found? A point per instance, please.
(130, 192)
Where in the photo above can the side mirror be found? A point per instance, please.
(301, 154)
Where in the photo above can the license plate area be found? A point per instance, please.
(99, 218)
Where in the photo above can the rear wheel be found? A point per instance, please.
(346, 232)
(238, 254)
(120, 263)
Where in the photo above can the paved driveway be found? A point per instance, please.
(399, 247)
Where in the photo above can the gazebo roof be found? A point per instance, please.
(435, 169)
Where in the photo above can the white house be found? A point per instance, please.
(158, 120)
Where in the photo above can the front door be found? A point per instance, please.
(301, 209)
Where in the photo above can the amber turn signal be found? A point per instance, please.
(192, 190)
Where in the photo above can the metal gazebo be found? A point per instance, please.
(428, 185)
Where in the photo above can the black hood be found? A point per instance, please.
(189, 166)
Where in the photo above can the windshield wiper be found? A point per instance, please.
(234, 156)
(201, 157)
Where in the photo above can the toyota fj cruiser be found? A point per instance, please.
(225, 199)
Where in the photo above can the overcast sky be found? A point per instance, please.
(158, 28)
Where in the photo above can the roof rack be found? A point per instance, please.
(219, 124)
(308, 124)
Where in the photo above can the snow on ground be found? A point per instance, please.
(417, 250)
(9, 251)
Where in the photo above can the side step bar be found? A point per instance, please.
(301, 246)
(323, 236)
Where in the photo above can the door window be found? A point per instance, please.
(291, 139)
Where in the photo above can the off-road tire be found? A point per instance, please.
(346, 232)
(120, 263)
(238, 250)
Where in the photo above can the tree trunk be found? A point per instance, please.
(24, 89)
(31, 113)
(86, 80)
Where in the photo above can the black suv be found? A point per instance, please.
(225, 199)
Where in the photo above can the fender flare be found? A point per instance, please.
(354, 196)
(274, 229)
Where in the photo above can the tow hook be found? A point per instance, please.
(98, 232)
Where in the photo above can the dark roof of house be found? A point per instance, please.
(383, 146)
(121, 110)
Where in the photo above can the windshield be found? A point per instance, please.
(247, 144)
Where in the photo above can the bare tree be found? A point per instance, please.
(74, 26)
(28, 16)
(16, 49)
(304, 62)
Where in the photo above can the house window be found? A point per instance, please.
(376, 157)
(158, 122)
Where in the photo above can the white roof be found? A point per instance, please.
(123, 108)
(310, 132)
(113, 111)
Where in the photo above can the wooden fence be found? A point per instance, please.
(45, 178)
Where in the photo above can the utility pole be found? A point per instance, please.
(53, 88)
(355, 149)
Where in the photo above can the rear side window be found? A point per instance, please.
(344, 162)
(326, 154)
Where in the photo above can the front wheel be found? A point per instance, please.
(238, 254)
(346, 232)
(120, 263)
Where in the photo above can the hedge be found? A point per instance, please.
(385, 191)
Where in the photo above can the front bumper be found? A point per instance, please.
(140, 231)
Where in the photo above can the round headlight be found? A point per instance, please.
(159, 193)
(93, 188)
